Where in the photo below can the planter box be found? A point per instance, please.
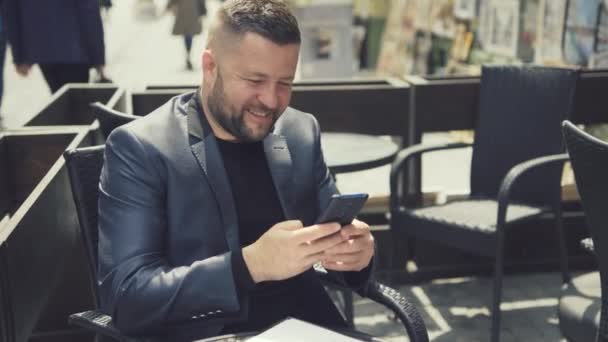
(70, 105)
(44, 275)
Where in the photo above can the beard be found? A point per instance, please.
(234, 123)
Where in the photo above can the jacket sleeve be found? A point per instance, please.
(327, 187)
(139, 287)
(91, 30)
(11, 15)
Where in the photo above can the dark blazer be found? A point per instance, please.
(54, 31)
(167, 220)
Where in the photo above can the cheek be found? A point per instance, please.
(243, 96)
(284, 98)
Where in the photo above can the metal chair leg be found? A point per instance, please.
(497, 296)
(561, 243)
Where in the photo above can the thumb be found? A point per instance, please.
(290, 225)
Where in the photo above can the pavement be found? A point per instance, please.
(140, 50)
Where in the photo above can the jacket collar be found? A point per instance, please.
(204, 148)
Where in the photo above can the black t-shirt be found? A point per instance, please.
(258, 208)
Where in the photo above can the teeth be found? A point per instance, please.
(263, 115)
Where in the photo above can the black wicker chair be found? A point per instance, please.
(581, 305)
(84, 168)
(109, 118)
(515, 172)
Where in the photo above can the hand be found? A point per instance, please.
(355, 252)
(288, 249)
(23, 69)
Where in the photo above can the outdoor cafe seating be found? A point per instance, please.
(515, 170)
(583, 307)
(408, 117)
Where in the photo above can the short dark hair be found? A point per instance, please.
(271, 19)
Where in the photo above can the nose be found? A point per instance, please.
(269, 97)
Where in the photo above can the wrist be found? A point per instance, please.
(251, 261)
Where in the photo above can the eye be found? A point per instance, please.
(255, 81)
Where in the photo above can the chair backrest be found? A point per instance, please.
(520, 112)
(84, 167)
(589, 158)
(109, 118)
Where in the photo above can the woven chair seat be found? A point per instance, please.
(474, 214)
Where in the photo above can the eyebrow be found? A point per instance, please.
(262, 75)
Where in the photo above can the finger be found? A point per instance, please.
(310, 260)
(345, 258)
(342, 266)
(354, 229)
(357, 244)
(348, 246)
(289, 225)
(322, 244)
(315, 232)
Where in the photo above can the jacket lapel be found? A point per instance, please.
(280, 165)
(205, 150)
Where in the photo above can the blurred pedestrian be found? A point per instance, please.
(105, 7)
(64, 37)
(188, 22)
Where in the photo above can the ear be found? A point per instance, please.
(209, 64)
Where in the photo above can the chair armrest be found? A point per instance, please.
(403, 309)
(401, 161)
(587, 245)
(390, 298)
(100, 324)
(515, 173)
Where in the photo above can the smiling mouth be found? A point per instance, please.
(259, 114)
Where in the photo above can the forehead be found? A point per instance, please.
(255, 54)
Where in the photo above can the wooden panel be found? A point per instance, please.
(378, 110)
(451, 103)
(145, 102)
(70, 106)
(591, 102)
(6, 191)
(445, 105)
(29, 158)
(371, 106)
(46, 276)
(305, 83)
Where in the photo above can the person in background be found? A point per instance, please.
(64, 37)
(188, 21)
(105, 6)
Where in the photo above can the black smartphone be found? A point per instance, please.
(343, 208)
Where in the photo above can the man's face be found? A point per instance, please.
(250, 87)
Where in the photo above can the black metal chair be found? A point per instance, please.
(515, 172)
(583, 310)
(84, 168)
(109, 118)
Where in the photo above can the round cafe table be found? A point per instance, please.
(350, 152)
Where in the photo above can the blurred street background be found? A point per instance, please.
(140, 50)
